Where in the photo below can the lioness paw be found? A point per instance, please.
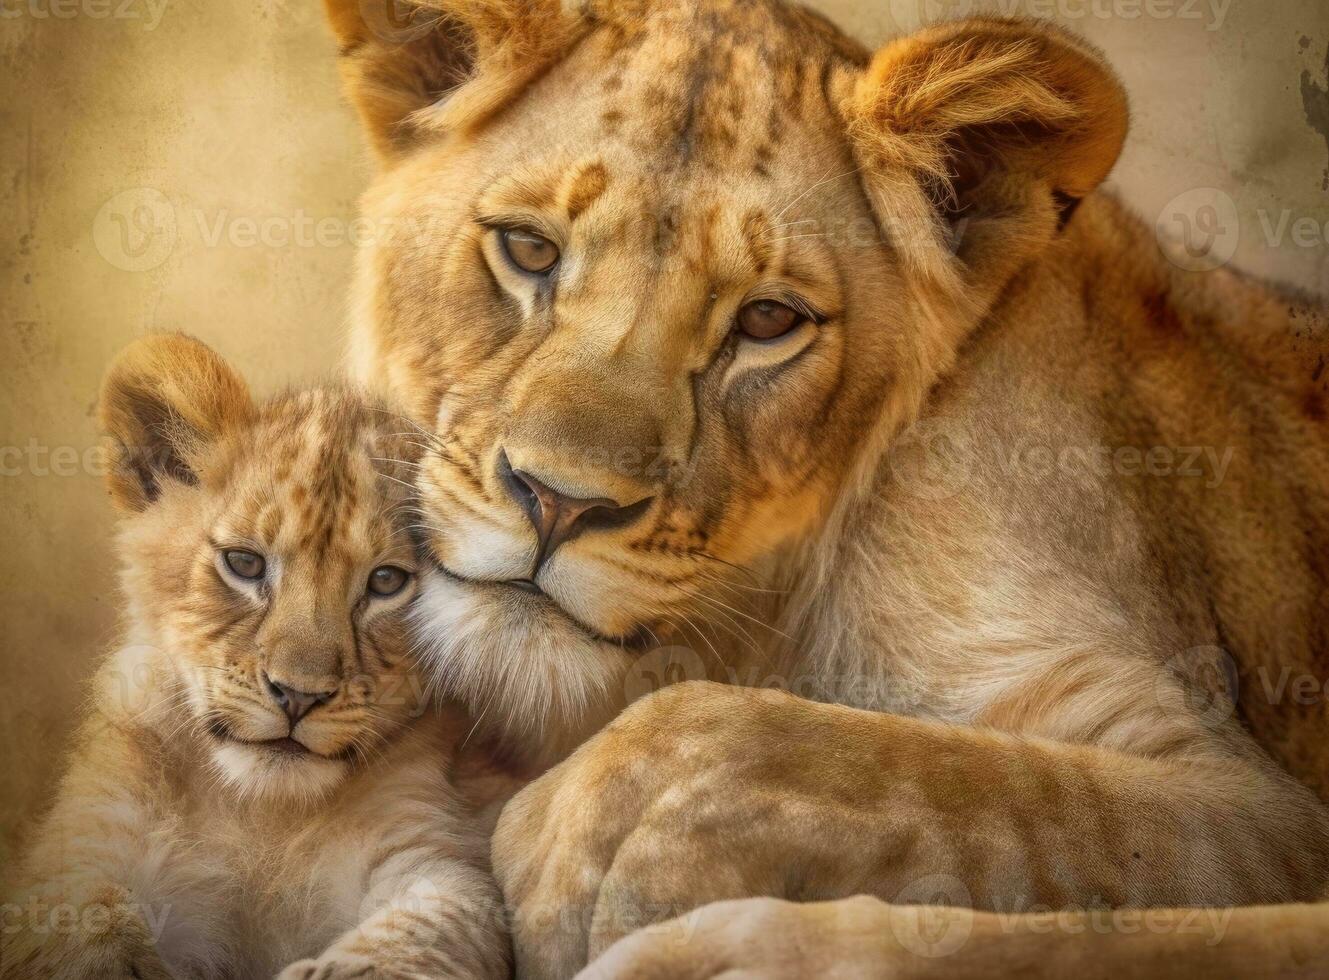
(335, 966)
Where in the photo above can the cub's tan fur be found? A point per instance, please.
(184, 840)
(1031, 619)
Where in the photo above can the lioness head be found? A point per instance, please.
(663, 278)
(268, 565)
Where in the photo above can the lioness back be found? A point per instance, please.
(1202, 398)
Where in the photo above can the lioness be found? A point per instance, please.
(685, 288)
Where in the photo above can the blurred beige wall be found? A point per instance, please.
(171, 165)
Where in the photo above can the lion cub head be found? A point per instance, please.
(268, 564)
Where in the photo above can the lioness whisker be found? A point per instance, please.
(398, 462)
(819, 183)
(400, 482)
(732, 626)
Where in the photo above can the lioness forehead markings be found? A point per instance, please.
(758, 234)
(269, 522)
(761, 160)
(666, 229)
(701, 259)
(589, 183)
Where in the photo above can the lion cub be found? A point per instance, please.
(258, 784)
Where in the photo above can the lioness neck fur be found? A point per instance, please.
(1122, 484)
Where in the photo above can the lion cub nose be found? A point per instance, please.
(558, 518)
(295, 703)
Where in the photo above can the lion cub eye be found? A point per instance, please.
(387, 580)
(246, 564)
(529, 251)
(765, 319)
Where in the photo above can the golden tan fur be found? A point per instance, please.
(864, 510)
(181, 842)
(781, 940)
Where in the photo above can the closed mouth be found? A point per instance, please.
(639, 639)
(287, 745)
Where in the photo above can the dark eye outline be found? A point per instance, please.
(229, 556)
(369, 583)
(800, 317)
(505, 236)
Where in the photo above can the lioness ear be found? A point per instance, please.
(164, 398)
(415, 67)
(978, 138)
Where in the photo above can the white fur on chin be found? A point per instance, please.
(528, 672)
(256, 772)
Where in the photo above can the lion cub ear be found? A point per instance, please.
(419, 67)
(977, 139)
(165, 398)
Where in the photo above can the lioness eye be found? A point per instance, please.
(765, 319)
(246, 564)
(529, 251)
(387, 580)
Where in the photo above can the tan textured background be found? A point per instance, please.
(191, 166)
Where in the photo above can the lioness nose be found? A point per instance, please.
(295, 703)
(558, 518)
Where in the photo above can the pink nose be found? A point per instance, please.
(556, 517)
(295, 703)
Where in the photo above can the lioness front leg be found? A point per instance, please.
(703, 792)
(858, 937)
